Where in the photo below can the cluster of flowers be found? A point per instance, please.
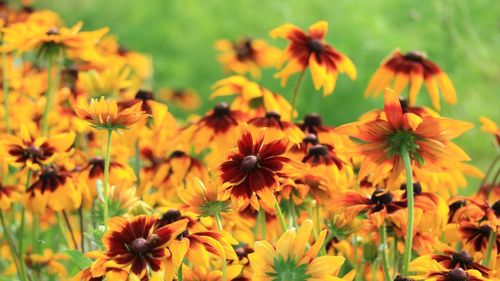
(101, 182)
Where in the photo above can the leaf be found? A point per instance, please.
(78, 259)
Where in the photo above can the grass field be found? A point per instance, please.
(463, 37)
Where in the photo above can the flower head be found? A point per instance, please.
(426, 138)
(252, 171)
(413, 68)
(104, 114)
(311, 50)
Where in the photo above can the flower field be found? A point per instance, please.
(108, 174)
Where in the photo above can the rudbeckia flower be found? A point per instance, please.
(476, 236)
(104, 114)
(146, 98)
(54, 188)
(426, 138)
(246, 55)
(431, 270)
(26, 150)
(218, 127)
(416, 69)
(378, 206)
(450, 260)
(204, 199)
(50, 40)
(291, 259)
(186, 99)
(251, 97)
(276, 128)
(139, 243)
(252, 171)
(311, 50)
(49, 262)
(107, 82)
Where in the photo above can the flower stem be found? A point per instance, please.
(295, 93)
(82, 228)
(489, 250)
(5, 89)
(49, 93)
(21, 232)
(280, 216)
(261, 221)
(35, 233)
(68, 224)
(15, 255)
(137, 163)
(411, 205)
(106, 176)
(355, 256)
(219, 225)
(383, 252)
(180, 277)
(61, 229)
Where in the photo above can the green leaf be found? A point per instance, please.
(78, 259)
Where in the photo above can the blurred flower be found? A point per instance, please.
(26, 150)
(462, 259)
(490, 127)
(205, 200)
(186, 99)
(49, 262)
(247, 55)
(9, 194)
(431, 270)
(311, 50)
(415, 68)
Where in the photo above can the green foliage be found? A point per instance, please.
(77, 259)
(288, 270)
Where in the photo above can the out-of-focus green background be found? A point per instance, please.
(462, 36)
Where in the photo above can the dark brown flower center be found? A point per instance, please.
(244, 50)
(485, 230)
(457, 205)
(249, 163)
(273, 115)
(313, 120)
(315, 46)
(144, 95)
(457, 274)
(318, 150)
(310, 138)
(415, 56)
(140, 246)
(462, 258)
(53, 31)
(177, 154)
(171, 216)
(221, 109)
(35, 152)
(417, 189)
(97, 161)
(380, 197)
(496, 208)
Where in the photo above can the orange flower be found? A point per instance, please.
(413, 68)
(104, 114)
(427, 139)
(186, 99)
(311, 50)
(9, 194)
(490, 127)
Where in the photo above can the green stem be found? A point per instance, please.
(295, 93)
(106, 176)
(48, 99)
(490, 169)
(318, 218)
(180, 277)
(82, 228)
(292, 214)
(489, 250)
(411, 206)
(70, 229)
(137, 163)
(5, 89)
(61, 229)
(280, 216)
(15, 255)
(35, 234)
(261, 221)
(21, 231)
(383, 247)
(355, 257)
(219, 224)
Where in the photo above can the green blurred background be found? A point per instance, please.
(462, 36)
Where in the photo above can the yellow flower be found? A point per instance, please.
(204, 199)
(490, 127)
(290, 260)
(104, 114)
